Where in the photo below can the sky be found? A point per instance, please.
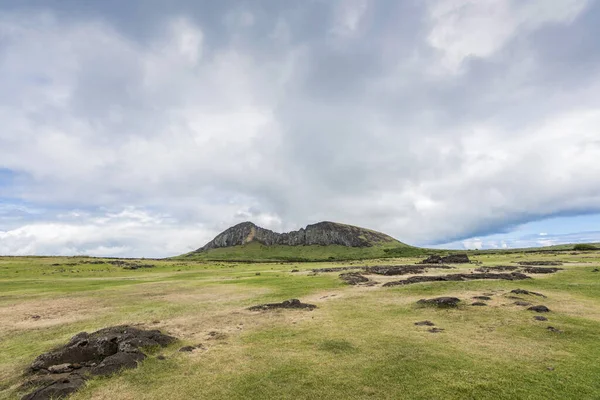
(144, 128)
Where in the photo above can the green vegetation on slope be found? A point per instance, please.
(254, 252)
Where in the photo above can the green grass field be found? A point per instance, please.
(360, 343)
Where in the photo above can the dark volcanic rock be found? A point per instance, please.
(553, 329)
(117, 362)
(103, 352)
(449, 259)
(596, 270)
(322, 233)
(424, 323)
(543, 262)
(539, 309)
(336, 269)
(479, 303)
(500, 268)
(541, 270)
(482, 297)
(390, 270)
(443, 302)
(58, 389)
(187, 349)
(458, 277)
(293, 303)
(540, 318)
(523, 291)
(353, 278)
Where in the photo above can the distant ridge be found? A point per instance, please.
(321, 234)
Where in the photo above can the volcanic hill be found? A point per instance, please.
(321, 241)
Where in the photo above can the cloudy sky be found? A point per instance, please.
(145, 127)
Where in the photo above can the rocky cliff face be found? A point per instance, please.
(322, 233)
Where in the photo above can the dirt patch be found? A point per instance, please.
(501, 268)
(63, 370)
(449, 259)
(458, 277)
(390, 270)
(541, 270)
(539, 262)
(527, 292)
(353, 278)
(539, 309)
(442, 302)
(293, 303)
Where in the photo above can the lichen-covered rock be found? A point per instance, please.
(322, 233)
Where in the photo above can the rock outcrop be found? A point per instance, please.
(322, 233)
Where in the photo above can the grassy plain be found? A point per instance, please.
(360, 343)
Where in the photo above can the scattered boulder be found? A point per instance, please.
(542, 262)
(501, 268)
(522, 303)
(161, 357)
(479, 303)
(353, 278)
(523, 291)
(424, 323)
(295, 270)
(458, 277)
(596, 270)
(390, 270)
(541, 270)
(482, 298)
(539, 309)
(449, 259)
(103, 352)
(214, 335)
(187, 349)
(442, 302)
(540, 318)
(293, 303)
(553, 329)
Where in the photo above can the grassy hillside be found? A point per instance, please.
(360, 343)
(255, 251)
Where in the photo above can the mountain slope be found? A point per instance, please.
(321, 241)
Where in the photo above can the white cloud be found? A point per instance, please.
(472, 28)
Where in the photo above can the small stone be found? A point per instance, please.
(187, 349)
(295, 270)
(258, 273)
(481, 298)
(522, 303)
(539, 309)
(161, 357)
(36, 317)
(479, 304)
(550, 368)
(553, 329)
(540, 318)
(60, 368)
(435, 330)
(424, 323)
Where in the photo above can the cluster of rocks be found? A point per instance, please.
(449, 259)
(64, 370)
(514, 276)
(293, 303)
(541, 270)
(538, 262)
(390, 270)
